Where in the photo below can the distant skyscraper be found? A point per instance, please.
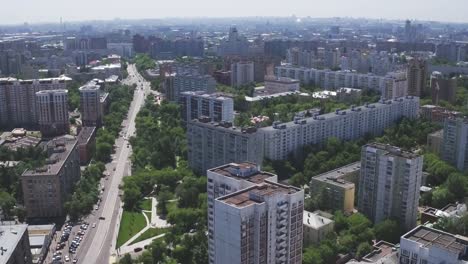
(234, 45)
(251, 218)
(443, 88)
(52, 112)
(416, 74)
(242, 73)
(389, 184)
(90, 105)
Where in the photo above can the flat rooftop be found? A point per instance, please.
(61, 148)
(243, 171)
(382, 250)
(257, 194)
(393, 151)
(85, 135)
(15, 143)
(335, 177)
(10, 236)
(432, 237)
(314, 220)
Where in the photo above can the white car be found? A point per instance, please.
(67, 258)
(94, 225)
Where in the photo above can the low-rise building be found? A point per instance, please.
(338, 192)
(317, 226)
(383, 253)
(437, 114)
(14, 246)
(428, 245)
(281, 84)
(452, 211)
(40, 238)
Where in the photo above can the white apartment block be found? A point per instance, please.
(455, 140)
(242, 73)
(218, 107)
(90, 105)
(282, 139)
(18, 99)
(390, 86)
(214, 144)
(425, 245)
(276, 85)
(251, 218)
(188, 82)
(389, 184)
(52, 112)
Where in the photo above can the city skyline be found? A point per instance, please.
(52, 10)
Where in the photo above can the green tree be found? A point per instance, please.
(456, 185)
(388, 230)
(441, 197)
(363, 249)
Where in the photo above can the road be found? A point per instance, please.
(99, 243)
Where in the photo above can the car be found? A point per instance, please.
(67, 258)
(75, 260)
(94, 225)
(137, 249)
(102, 218)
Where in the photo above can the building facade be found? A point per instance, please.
(281, 84)
(316, 227)
(18, 105)
(187, 82)
(214, 144)
(454, 144)
(242, 73)
(416, 74)
(46, 188)
(251, 218)
(90, 105)
(335, 189)
(217, 107)
(282, 139)
(443, 88)
(52, 112)
(389, 184)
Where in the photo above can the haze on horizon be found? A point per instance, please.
(34, 11)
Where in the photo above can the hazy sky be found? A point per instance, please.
(19, 11)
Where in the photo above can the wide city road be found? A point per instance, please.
(100, 241)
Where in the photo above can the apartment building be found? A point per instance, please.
(336, 187)
(454, 143)
(281, 139)
(389, 184)
(390, 86)
(242, 73)
(15, 247)
(217, 106)
(46, 188)
(52, 112)
(214, 144)
(251, 218)
(90, 105)
(416, 74)
(18, 105)
(428, 245)
(443, 88)
(86, 144)
(188, 82)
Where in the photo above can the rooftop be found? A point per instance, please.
(382, 251)
(393, 151)
(257, 194)
(226, 126)
(243, 171)
(314, 220)
(10, 235)
(59, 149)
(335, 177)
(428, 237)
(11, 80)
(218, 95)
(85, 134)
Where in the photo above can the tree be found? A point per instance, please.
(312, 256)
(127, 259)
(7, 202)
(131, 195)
(456, 185)
(163, 198)
(441, 197)
(363, 249)
(388, 230)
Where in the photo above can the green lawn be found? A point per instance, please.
(131, 223)
(146, 204)
(152, 232)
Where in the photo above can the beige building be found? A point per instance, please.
(338, 191)
(317, 226)
(90, 105)
(52, 112)
(46, 188)
(18, 99)
(416, 75)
